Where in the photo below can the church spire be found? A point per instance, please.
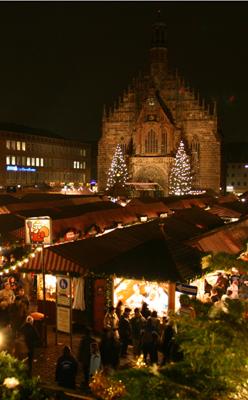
(159, 33)
(158, 51)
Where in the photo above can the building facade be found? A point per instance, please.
(152, 116)
(29, 157)
(236, 167)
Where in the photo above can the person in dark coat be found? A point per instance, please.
(31, 338)
(166, 341)
(149, 342)
(84, 353)
(66, 369)
(109, 350)
(125, 331)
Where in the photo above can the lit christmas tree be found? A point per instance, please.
(180, 180)
(117, 175)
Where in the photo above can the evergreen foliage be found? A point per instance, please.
(117, 174)
(214, 363)
(180, 179)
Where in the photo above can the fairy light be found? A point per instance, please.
(180, 180)
(117, 173)
(140, 363)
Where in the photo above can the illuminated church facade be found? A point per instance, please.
(151, 118)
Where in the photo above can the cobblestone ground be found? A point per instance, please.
(46, 357)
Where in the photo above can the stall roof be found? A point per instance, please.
(138, 251)
(224, 212)
(229, 239)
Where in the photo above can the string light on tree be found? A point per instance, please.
(180, 180)
(117, 174)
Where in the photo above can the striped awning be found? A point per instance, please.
(53, 263)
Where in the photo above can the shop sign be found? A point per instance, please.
(63, 291)
(64, 319)
(38, 230)
(186, 289)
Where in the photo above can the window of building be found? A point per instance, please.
(23, 160)
(18, 145)
(164, 143)
(37, 162)
(13, 160)
(42, 162)
(7, 160)
(74, 164)
(13, 145)
(8, 144)
(123, 147)
(238, 183)
(83, 175)
(28, 161)
(151, 142)
(23, 146)
(33, 161)
(84, 165)
(83, 152)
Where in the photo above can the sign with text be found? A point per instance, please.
(63, 291)
(186, 289)
(38, 230)
(64, 319)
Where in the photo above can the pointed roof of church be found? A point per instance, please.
(159, 32)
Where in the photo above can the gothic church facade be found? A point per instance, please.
(153, 115)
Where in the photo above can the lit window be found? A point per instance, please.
(78, 164)
(84, 164)
(18, 145)
(7, 144)
(13, 160)
(37, 162)
(74, 164)
(7, 160)
(23, 146)
(13, 144)
(28, 161)
(42, 162)
(33, 161)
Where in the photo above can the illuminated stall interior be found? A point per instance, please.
(133, 293)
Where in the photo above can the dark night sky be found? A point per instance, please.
(61, 61)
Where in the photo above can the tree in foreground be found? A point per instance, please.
(212, 366)
(117, 174)
(180, 179)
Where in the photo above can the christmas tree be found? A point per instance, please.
(117, 175)
(180, 180)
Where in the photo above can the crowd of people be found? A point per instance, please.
(233, 286)
(18, 334)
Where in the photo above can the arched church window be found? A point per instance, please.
(123, 147)
(164, 143)
(195, 149)
(151, 142)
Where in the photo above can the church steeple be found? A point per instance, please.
(159, 33)
(158, 50)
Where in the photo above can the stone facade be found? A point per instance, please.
(149, 120)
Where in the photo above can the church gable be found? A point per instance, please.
(154, 130)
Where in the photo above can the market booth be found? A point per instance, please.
(135, 264)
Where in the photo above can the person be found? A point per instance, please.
(109, 350)
(216, 294)
(137, 326)
(234, 287)
(95, 359)
(227, 295)
(84, 353)
(31, 338)
(145, 310)
(156, 322)
(119, 309)
(66, 369)
(7, 293)
(22, 298)
(149, 343)
(166, 341)
(185, 307)
(125, 331)
(111, 321)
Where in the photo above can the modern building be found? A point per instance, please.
(236, 167)
(32, 157)
(152, 116)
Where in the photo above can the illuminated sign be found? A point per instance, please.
(21, 169)
(38, 230)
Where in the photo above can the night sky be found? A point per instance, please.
(62, 61)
